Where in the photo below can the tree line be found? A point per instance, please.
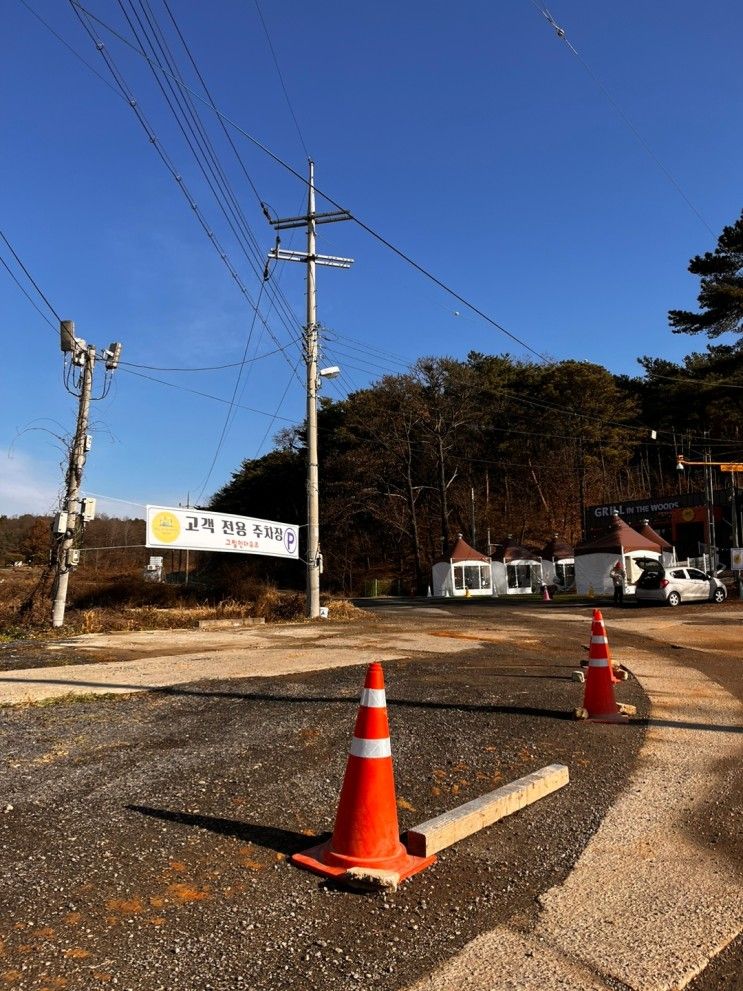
(496, 447)
(493, 447)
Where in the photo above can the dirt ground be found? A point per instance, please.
(144, 838)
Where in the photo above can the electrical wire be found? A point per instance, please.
(205, 368)
(561, 34)
(226, 120)
(30, 277)
(165, 158)
(67, 45)
(210, 102)
(275, 415)
(364, 226)
(38, 309)
(204, 395)
(199, 144)
(230, 410)
(281, 79)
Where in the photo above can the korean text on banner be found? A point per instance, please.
(203, 530)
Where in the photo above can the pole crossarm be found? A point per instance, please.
(330, 261)
(332, 217)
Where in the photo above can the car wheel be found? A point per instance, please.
(718, 595)
(673, 599)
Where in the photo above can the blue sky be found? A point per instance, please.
(468, 135)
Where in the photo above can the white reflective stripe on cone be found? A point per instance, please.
(373, 698)
(598, 662)
(595, 639)
(371, 748)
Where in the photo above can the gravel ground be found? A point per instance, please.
(146, 837)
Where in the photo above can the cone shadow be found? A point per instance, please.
(283, 841)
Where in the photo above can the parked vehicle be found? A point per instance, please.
(675, 585)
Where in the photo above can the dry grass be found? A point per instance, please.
(127, 602)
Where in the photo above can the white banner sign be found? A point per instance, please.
(736, 558)
(203, 530)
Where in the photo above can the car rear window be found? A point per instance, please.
(678, 574)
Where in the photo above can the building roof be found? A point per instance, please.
(461, 551)
(508, 552)
(647, 531)
(556, 550)
(618, 537)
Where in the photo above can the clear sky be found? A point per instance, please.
(469, 135)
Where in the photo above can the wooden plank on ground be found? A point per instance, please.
(450, 827)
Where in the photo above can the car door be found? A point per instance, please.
(699, 584)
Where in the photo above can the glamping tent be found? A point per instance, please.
(558, 563)
(594, 559)
(466, 572)
(667, 553)
(516, 570)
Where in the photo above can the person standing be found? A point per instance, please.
(618, 576)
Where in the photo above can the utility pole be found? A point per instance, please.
(73, 513)
(472, 515)
(709, 492)
(311, 259)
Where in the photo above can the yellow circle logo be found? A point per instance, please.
(688, 515)
(165, 527)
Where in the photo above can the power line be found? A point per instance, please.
(230, 410)
(276, 414)
(165, 158)
(560, 32)
(26, 294)
(67, 45)
(281, 80)
(206, 368)
(30, 277)
(188, 120)
(277, 295)
(204, 395)
(279, 161)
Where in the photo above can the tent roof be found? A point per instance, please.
(461, 551)
(508, 552)
(647, 531)
(556, 550)
(618, 536)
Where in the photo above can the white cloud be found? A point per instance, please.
(26, 485)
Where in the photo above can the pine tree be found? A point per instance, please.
(721, 295)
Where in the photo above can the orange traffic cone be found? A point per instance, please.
(601, 642)
(366, 834)
(598, 700)
(545, 594)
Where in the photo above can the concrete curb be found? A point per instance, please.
(450, 827)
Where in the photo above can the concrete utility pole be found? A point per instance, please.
(66, 522)
(311, 259)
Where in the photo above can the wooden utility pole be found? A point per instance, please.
(69, 517)
(68, 521)
(311, 259)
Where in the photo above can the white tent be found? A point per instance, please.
(465, 573)
(595, 559)
(516, 570)
(558, 564)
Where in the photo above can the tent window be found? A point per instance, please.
(458, 576)
(519, 575)
(565, 574)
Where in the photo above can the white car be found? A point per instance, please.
(677, 585)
